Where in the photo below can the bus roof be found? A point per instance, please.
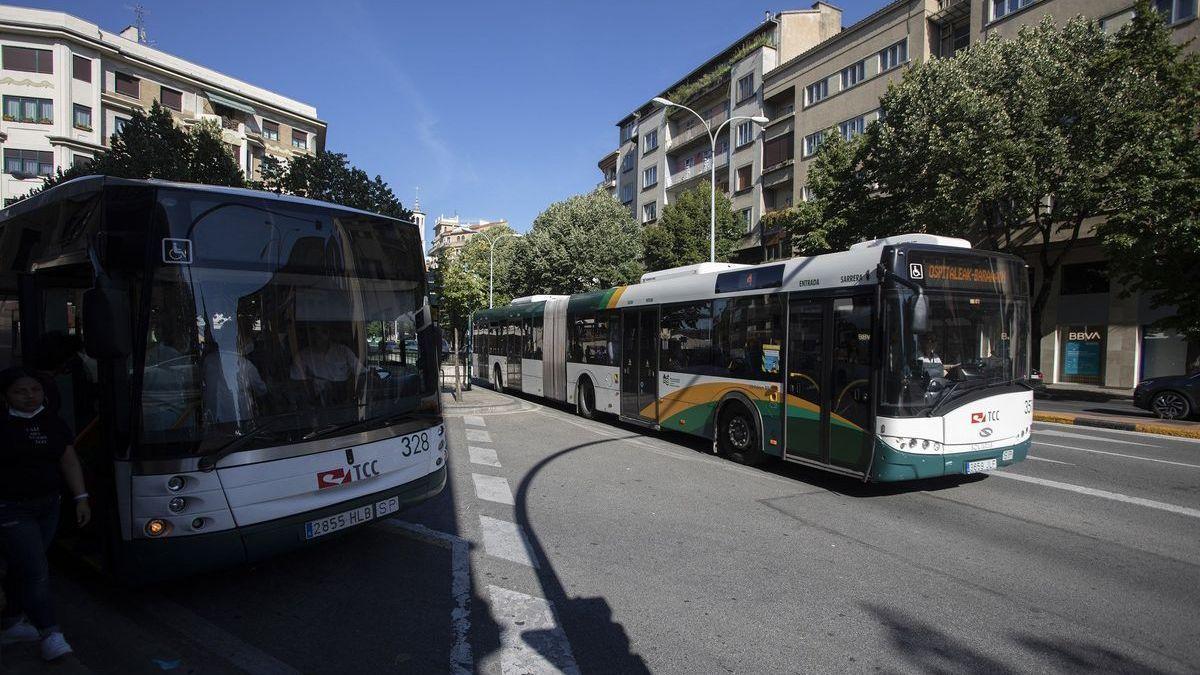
(91, 184)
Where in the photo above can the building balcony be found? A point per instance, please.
(949, 11)
(683, 135)
(686, 176)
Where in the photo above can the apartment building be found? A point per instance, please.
(451, 234)
(608, 169)
(68, 85)
(663, 151)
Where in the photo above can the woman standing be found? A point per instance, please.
(36, 456)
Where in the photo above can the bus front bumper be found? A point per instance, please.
(893, 465)
(149, 560)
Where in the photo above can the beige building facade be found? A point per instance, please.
(68, 85)
(450, 233)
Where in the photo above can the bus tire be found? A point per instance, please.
(497, 382)
(585, 398)
(737, 436)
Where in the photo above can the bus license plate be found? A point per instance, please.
(981, 465)
(338, 521)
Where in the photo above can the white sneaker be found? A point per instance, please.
(21, 631)
(55, 646)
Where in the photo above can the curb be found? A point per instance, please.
(1143, 427)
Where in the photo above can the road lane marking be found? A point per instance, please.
(478, 436)
(1121, 432)
(493, 489)
(531, 640)
(474, 421)
(462, 660)
(1052, 461)
(1117, 454)
(1115, 496)
(213, 638)
(1086, 437)
(505, 540)
(484, 456)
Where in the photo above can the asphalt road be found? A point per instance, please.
(567, 544)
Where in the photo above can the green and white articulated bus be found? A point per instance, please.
(901, 358)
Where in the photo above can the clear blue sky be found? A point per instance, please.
(495, 109)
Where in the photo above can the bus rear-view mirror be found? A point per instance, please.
(919, 321)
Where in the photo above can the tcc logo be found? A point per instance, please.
(343, 475)
(988, 416)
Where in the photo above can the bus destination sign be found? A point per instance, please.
(937, 270)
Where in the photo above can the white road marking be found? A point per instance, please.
(1086, 437)
(531, 640)
(505, 540)
(478, 436)
(1115, 496)
(474, 420)
(1052, 461)
(492, 488)
(484, 456)
(214, 638)
(462, 661)
(1117, 454)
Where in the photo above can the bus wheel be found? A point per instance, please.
(585, 399)
(738, 439)
(496, 381)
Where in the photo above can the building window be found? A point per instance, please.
(1083, 278)
(650, 141)
(745, 88)
(81, 68)
(812, 143)
(893, 56)
(28, 163)
(626, 193)
(778, 150)
(83, 117)
(25, 109)
(627, 131)
(854, 74)
(852, 127)
(746, 218)
(80, 161)
(627, 162)
(650, 177)
(745, 134)
(817, 91)
(28, 60)
(650, 212)
(127, 85)
(957, 37)
(119, 124)
(806, 194)
(1082, 355)
(171, 99)
(1176, 10)
(270, 130)
(744, 179)
(299, 139)
(1002, 8)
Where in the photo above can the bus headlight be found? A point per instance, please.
(156, 527)
(176, 483)
(177, 504)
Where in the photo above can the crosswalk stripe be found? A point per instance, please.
(505, 540)
(484, 456)
(474, 421)
(478, 436)
(531, 641)
(492, 488)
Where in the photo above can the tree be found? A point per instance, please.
(329, 176)
(151, 145)
(463, 276)
(682, 234)
(1019, 144)
(584, 243)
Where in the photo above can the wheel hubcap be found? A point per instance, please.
(1169, 406)
(739, 433)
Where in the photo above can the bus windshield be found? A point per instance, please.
(279, 321)
(976, 312)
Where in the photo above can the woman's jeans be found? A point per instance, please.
(26, 530)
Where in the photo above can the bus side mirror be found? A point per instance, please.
(920, 314)
(106, 314)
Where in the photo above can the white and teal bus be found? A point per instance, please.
(901, 358)
(244, 372)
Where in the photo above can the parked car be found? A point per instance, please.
(1174, 397)
(1037, 382)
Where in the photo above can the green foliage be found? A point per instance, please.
(583, 243)
(464, 276)
(682, 234)
(329, 176)
(688, 89)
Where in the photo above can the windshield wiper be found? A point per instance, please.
(209, 461)
(947, 393)
(349, 427)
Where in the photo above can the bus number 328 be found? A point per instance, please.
(415, 444)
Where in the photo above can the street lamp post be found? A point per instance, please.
(491, 240)
(712, 140)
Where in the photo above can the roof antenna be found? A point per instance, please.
(417, 201)
(139, 22)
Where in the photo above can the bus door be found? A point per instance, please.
(516, 347)
(639, 364)
(828, 378)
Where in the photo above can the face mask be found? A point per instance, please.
(25, 415)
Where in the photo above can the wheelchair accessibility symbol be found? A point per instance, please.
(177, 251)
(916, 271)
